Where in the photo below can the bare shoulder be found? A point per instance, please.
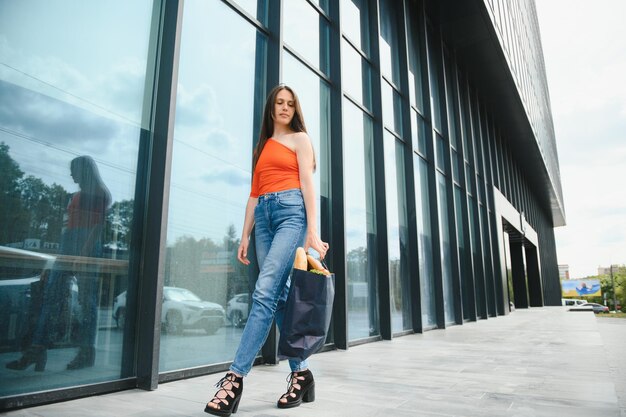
(301, 141)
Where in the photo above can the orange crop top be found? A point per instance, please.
(276, 170)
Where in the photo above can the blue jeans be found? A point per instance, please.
(55, 289)
(280, 227)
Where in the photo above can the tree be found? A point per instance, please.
(13, 225)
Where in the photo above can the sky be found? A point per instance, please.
(584, 47)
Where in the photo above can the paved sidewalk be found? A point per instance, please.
(537, 362)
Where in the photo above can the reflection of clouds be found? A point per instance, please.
(117, 90)
(44, 134)
(45, 118)
(228, 175)
(196, 107)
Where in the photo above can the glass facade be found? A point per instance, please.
(73, 118)
(416, 178)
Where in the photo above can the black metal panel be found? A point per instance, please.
(337, 222)
(432, 178)
(468, 264)
(409, 174)
(160, 152)
(535, 292)
(520, 289)
(269, 351)
(454, 244)
(382, 262)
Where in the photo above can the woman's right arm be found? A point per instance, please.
(248, 223)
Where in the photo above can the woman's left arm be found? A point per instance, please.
(304, 152)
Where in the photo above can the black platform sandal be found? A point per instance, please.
(232, 386)
(300, 388)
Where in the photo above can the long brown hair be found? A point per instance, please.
(267, 126)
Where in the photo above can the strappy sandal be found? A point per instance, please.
(232, 386)
(300, 388)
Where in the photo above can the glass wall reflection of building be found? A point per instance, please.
(126, 137)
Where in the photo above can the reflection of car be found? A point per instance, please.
(237, 309)
(598, 308)
(181, 310)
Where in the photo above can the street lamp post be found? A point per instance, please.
(614, 295)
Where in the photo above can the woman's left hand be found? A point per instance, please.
(314, 241)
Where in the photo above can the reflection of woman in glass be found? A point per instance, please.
(282, 208)
(81, 238)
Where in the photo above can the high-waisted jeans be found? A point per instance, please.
(280, 222)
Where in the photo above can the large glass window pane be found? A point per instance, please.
(397, 234)
(434, 77)
(355, 73)
(256, 8)
(392, 112)
(363, 318)
(415, 61)
(446, 250)
(306, 32)
(466, 275)
(389, 48)
(425, 243)
(479, 288)
(440, 152)
(450, 95)
(456, 167)
(354, 23)
(205, 301)
(418, 133)
(72, 116)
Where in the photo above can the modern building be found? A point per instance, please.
(613, 269)
(563, 271)
(437, 174)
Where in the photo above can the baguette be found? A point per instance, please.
(317, 265)
(300, 261)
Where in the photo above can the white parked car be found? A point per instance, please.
(572, 302)
(237, 309)
(181, 310)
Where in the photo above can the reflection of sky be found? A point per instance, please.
(310, 90)
(95, 59)
(44, 135)
(74, 86)
(301, 25)
(213, 136)
(354, 177)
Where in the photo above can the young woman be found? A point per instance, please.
(282, 207)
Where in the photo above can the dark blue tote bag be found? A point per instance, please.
(307, 314)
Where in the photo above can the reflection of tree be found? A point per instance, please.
(30, 208)
(44, 207)
(11, 226)
(357, 264)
